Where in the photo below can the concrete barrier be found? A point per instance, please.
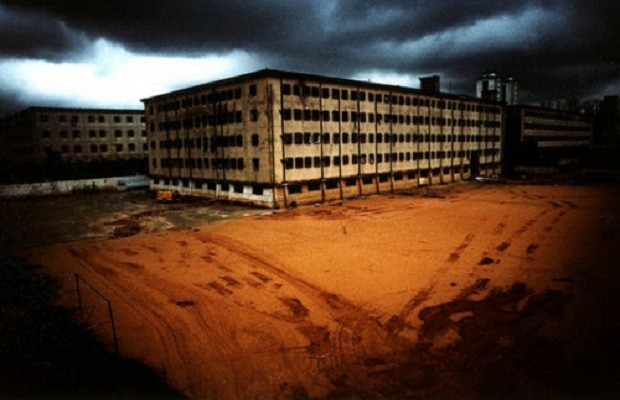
(73, 186)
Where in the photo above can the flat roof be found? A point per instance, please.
(275, 73)
(93, 110)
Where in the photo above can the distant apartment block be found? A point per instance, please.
(46, 136)
(545, 138)
(279, 138)
(492, 87)
(73, 134)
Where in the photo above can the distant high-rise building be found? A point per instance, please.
(492, 87)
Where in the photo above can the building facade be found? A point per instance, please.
(539, 137)
(37, 134)
(38, 140)
(278, 138)
(492, 87)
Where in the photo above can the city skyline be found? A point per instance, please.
(112, 54)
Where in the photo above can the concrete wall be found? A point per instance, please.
(65, 187)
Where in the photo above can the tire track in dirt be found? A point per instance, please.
(174, 334)
(456, 253)
(113, 290)
(494, 252)
(220, 338)
(343, 345)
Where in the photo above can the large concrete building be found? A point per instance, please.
(541, 139)
(40, 137)
(279, 138)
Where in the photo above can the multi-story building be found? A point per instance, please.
(540, 137)
(44, 136)
(73, 134)
(490, 86)
(280, 138)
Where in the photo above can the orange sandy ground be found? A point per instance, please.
(385, 296)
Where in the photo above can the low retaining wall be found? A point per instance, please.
(81, 185)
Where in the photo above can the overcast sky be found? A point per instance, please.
(112, 53)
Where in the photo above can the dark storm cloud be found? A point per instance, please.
(552, 47)
(185, 26)
(34, 34)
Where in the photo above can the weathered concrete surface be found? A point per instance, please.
(81, 185)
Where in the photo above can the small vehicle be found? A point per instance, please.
(164, 195)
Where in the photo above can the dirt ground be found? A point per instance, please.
(477, 291)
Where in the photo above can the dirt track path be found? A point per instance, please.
(375, 298)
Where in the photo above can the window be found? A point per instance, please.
(118, 133)
(44, 118)
(103, 148)
(129, 119)
(77, 134)
(255, 139)
(119, 147)
(132, 147)
(297, 114)
(46, 134)
(91, 118)
(254, 115)
(298, 138)
(117, 119)
(286, 114)
(92, 134)
(253, 90)
(101, 118)
(62, 118)
(93, 148)
(63, 134)
(130, 133)
(77, 148)
(75, 118)
(102, 134)
(286, 89)
(299, 162)
(255, 164)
